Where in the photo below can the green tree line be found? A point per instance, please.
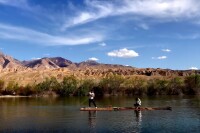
(109, 85)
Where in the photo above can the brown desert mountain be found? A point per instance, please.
(8, 63)
(44, 63)
(61, 62)
(24, 72)
(47, 63)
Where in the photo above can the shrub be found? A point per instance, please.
(111, 84)
(151, 88)
(175, 86)
(11, 88)
(68, 86)
(43, 86)
(135, 86)
(25, 91)
(2, 84)
(85, 86)
(192, 84)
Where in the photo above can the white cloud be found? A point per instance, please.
(193, 68)
(166, 50)
(34, 58)
(93, 59)
(158, 9)
(160, 57)
(25, 34)
(102, 44)
(123, 53)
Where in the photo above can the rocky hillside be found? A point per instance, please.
(9, 64)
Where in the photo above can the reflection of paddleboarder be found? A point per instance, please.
(91, 98)
(92, 118)
(138, 115)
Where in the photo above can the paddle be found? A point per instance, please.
(84, 100)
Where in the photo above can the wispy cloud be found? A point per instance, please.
(190, 36)
(123, 53)
(96, 10)
(160, 57)
(46, 54)
(29, 35)
(103, 44)
(144, 26)
(35, 11)
(16, 3)
(93, 59)
(166, 50)
(162, 8)
(99, 47)
(158, 9)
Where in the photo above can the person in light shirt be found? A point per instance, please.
(138, 103)
(91, 98)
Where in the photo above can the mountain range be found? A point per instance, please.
(38, 70)
(9, 63)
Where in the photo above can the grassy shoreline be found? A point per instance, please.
(110, 85)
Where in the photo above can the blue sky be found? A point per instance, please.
(138, 33)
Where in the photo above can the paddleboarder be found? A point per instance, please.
(91, 98)
(138, 103)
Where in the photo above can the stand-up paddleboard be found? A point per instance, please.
(123, 108)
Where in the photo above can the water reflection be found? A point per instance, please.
(138, 114)
(92, 120)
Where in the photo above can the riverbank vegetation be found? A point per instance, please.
(109, 85)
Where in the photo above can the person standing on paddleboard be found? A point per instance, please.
(138, 103)
(91, 98)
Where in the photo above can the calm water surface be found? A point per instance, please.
(62, 115)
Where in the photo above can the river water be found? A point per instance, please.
(62, 115)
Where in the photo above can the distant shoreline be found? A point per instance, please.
(12, 96)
